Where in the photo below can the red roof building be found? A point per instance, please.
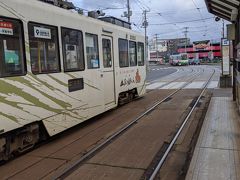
(202, 50)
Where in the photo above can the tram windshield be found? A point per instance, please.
(179, 57)
(184, 57)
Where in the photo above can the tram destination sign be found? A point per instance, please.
(42, 33)
(6, 28)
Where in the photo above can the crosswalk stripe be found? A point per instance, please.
(195, 85)
(176, 85)
(213, 84)
(170, 86)
(155, 85)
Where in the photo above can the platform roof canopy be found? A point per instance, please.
(226, 9)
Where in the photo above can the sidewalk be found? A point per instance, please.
(217, 153)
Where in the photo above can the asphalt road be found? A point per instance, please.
(156, 72)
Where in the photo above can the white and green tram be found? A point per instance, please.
(58, 69)
(179, 59)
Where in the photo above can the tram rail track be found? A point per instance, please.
(168, 150)
(96, 149)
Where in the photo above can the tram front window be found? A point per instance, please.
(184, 57)
(11, 48)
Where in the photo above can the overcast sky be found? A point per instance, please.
(164, 17)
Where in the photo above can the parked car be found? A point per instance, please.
(194, 62)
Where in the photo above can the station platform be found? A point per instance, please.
(217, 153)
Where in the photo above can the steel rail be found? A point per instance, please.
(73, 166)
(156, 170)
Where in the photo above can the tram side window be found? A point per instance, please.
(107, 56)
(140, 54)
(92, 51)
(72, 50)
(133, 53)
(123, 53)
(44, 48)
(11, 48)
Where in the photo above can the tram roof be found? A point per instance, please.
(226, 9)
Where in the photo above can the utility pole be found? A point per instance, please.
(128, 13)
(223, 36)
(156, 45)
(185, 33)
(128, 10)
(145, 25)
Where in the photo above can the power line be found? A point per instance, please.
(156, 12)
(196, 20)
(145, 7)
(174, 32)
(137, 26)
(199, 12)
(112, 8)
(139, 5)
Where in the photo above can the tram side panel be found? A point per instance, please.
(60, 99)
(130, 70)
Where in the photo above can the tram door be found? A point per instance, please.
(108, 72)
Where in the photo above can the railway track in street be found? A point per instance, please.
(64, 174)
(159, 165)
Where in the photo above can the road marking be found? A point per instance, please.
(155, 85)
(213, 85)
(176, 85)
(159, 69)
(195, 85)
(170, 86)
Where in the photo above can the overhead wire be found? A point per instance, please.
(156, 12)
(198, 9)
(145, 7)
(167, 13)
(180, 22)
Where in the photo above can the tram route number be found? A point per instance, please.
(75, 84)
